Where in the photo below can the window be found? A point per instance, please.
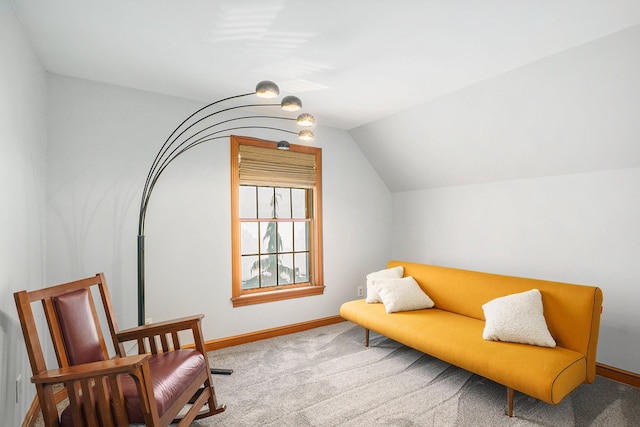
(276, 199)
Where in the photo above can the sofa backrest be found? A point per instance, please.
(572, 312)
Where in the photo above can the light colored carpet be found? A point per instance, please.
(326, 377)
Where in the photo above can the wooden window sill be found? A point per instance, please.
(276, 295)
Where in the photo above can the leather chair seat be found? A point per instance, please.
(172, 372)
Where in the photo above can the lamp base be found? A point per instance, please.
(221, 371)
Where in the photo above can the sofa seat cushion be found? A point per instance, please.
(171, 372)
(550, 373)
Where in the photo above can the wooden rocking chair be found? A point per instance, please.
(164, 383)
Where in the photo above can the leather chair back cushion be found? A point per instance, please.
(79, 330)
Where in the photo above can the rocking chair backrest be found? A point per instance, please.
(81, 334)
(72, 320)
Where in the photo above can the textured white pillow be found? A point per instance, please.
(389, 273)
(517, 318)
(402, 294)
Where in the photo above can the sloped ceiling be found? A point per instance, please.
(356, 65)
(577, 111)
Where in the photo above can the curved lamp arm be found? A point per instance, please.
(180, 141)
(167, 157)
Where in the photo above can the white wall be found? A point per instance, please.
(102, 141)
(576, 228)
(539, 176)
(22, 196)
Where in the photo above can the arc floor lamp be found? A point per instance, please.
(209, 124)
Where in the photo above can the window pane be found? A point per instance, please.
(249, 234)
(247, 201)
(285, 230)
(265, 202)
(301, 236)
(283, 202)
(269, 271)
(268, 237)
(302, 267)
(285, 269)
(250, 272)
(299, 202)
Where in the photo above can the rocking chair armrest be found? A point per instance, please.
(164, 327)
(120, 365)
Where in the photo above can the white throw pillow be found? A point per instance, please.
(389, 273)
(517, 318)
(402, 294)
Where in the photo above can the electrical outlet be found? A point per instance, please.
(148, 321)
(360, 291)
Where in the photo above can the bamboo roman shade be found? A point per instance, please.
(276, 168)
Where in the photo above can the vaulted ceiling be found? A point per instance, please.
(352, 63)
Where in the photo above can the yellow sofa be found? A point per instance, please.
(452, 330)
